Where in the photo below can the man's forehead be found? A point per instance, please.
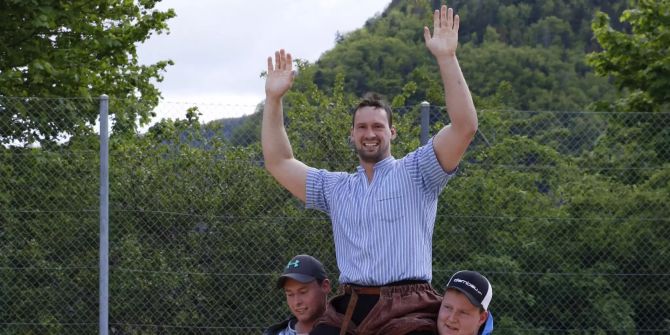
(292, 284)
(454, 296)
(367, 112)
(372, 109)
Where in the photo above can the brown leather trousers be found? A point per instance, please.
(401, 309)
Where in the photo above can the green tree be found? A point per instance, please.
(637, 60)
(48, 239)
(80, 49)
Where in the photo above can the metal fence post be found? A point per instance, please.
(425, 122)
(104, 216)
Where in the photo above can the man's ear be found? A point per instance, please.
(325, 285)
(394, 133)
(482, 317)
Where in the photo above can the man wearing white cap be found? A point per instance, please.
(465, 305)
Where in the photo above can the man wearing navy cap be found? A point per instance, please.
(465, 305)
(306, 286)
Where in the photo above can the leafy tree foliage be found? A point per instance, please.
(637, 60)
(77, 49)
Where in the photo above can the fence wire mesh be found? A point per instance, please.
(565, 212)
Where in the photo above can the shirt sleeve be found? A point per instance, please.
(320, 186)
(426, 171)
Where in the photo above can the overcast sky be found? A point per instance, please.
(220, 47)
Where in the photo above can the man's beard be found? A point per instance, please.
(371, 157)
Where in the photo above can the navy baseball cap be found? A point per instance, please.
(303, 268)
(475, 286)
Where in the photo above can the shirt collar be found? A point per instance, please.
(379, 166)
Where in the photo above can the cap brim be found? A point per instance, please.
(295, 276)
(467, 294)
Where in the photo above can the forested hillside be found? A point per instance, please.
(519, 55)
(530, 52)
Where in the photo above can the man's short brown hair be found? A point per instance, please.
(372, 99)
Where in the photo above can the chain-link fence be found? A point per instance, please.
(565, 212)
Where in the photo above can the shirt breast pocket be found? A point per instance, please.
(390, 207)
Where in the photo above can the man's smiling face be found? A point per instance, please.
(458, 316)
(372, 134)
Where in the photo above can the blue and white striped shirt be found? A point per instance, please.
(382, 230)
